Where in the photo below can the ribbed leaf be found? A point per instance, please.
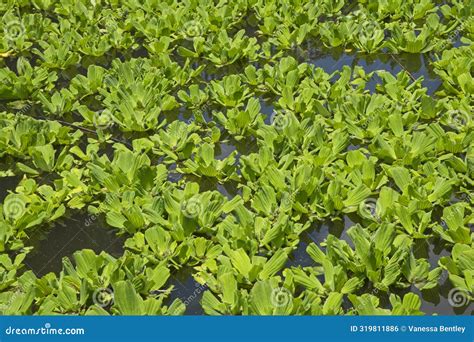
(275, 264)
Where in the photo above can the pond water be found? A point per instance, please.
(187, 289)
(67, 235)
(8, 184)
(79, 230)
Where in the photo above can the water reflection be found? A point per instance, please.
(317, 233)
(187, 289)
(332, 60)
(434, 301)
(8, 184)
(68, 235)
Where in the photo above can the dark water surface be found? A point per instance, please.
(187, 289)
(8, 184)
(68, 235)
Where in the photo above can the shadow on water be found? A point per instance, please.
(229, 189)
(441, 300)
(317, 233)
(68, 235)
(335, 59)
(444, 299)
(432, 250)
(224, 149)
(8, 184)
(187, 289)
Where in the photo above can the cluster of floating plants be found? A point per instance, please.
(210, 138)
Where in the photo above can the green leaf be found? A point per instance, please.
(332, 305)
(261, 298)
(241, 261)
(211, 304)
(356, 196)
(275, 264)
(127, 300)
(401, 176)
